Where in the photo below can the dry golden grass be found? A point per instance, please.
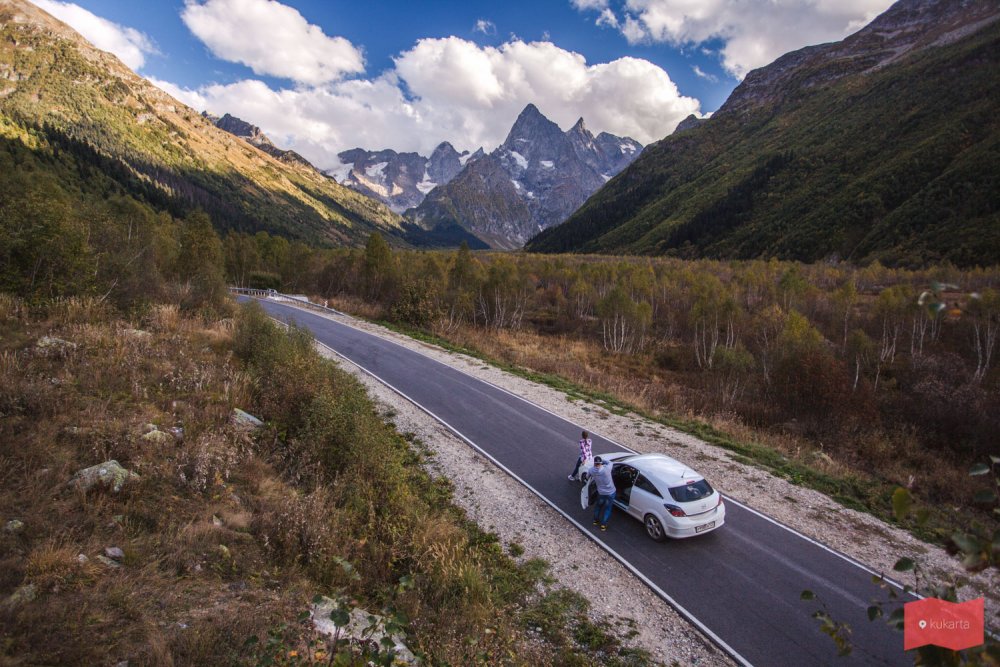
(10, 366)
(53, 566)
(67, 411)
(11, 306)
(165, 317)
(78, 309)
(582, 362)
(440, 547)
(365, 309)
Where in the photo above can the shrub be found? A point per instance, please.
(414, 306)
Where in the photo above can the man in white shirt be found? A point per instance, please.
(601, 474)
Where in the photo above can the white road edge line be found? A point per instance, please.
(659, 591)
(772, 520)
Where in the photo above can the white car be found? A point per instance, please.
(671, 499)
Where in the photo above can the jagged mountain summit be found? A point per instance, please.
(880, 146)
(400, 180)
(534, 180)
(62, 97)
(253, 135)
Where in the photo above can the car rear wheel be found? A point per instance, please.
(654, 528)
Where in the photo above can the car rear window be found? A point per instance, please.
(691, 492)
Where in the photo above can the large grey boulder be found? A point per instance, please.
(22, 595)
(110, 562)
(53, 345)
(109, 474)
(358, 628)
(241, 418)
(158, 437)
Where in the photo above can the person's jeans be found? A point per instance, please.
(576, 468)
(602, 511)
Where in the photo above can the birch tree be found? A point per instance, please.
(984, 312)
(713, 317)
(623, 321)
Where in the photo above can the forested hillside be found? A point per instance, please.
(103, 132)
(828, 153)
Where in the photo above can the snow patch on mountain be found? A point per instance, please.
(340, 172)
(376, 170)
(522, 161)
(427, 184)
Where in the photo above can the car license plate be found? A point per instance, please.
(708, 526)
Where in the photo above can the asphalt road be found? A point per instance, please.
(741, 583)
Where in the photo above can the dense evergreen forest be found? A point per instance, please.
(68, 228)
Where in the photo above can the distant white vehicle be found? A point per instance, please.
(671, 499)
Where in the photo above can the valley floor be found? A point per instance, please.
(488, 495)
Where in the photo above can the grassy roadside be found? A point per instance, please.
(230, 532)
(852, 488)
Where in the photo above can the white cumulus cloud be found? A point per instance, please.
(607, 18)
(456, 91)
(754, 32)
(702, 74)
(272, 39)
(491, 85)
(128, 44)
(485, 27)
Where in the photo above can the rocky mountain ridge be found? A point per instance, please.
(536, 178)
(253, 135)
(904, 29)
(400, 180)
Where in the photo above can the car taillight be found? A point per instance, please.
(674, 510)
(719, 504)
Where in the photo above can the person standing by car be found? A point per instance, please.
(585, 454)
(601, 474)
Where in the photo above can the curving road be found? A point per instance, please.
(740, 584)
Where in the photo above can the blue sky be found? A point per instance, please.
(321, 77)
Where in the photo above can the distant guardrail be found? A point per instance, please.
(275, 295)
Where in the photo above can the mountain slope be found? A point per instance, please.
(253, 135)
(884, 146)
(400, 180)
(535, 179)
(55, 86)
